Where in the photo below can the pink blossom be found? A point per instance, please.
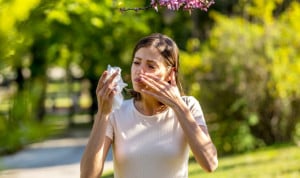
(185, 4)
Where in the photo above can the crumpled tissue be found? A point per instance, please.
(118, 98)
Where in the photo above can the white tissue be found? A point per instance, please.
(118, 98)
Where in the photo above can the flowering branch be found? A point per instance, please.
(185, 4)
(136, 9)
(175, 5)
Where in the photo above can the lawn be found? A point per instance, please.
(270, 162)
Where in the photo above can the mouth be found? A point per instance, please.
(138, 80)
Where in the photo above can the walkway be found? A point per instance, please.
(57, 158)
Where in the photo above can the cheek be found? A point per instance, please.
(133, 70)
(162, 76)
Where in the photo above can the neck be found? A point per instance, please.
(149, 106)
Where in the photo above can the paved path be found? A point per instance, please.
(55, 158)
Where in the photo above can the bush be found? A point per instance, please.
(253, 77)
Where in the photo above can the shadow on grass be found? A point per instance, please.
(111, 175)
(255, 158)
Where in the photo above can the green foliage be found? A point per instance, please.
(19, 128)
(24, 133)
(37, 35)
(12, 41)
(253, 78)
(245, 74)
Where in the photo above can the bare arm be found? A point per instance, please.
(197, 136)
(92, 162)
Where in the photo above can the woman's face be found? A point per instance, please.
(147, 60)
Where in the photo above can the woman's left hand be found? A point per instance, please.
(165, 92)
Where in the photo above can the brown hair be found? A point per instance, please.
(167, 48)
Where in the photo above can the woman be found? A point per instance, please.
(151, 133)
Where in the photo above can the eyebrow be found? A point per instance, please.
(147, 60)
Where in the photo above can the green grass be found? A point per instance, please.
(270, 162)
(14, 139)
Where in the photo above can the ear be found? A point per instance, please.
(172, 78)
(170, 73)
(169, 77)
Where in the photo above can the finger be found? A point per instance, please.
(112, 77)
(104, 81)
(149, 93)
(153, 77)
(156, 83)
(107, 90)
(153, 94)
(149, 82)
(101, 81)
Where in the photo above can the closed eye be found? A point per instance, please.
(151, 66)
(136, 62)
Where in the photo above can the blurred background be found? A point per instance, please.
(240, 59)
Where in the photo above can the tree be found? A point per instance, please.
(253, 62)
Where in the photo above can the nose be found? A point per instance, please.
(141, 69)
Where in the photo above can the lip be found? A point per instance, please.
(138, 80)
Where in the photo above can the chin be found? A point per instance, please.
(137, 88)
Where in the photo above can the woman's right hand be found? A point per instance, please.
(105, 92)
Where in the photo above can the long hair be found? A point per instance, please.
(167, 48)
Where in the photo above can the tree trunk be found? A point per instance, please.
(39, 78)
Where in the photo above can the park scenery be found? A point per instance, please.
(240, 59)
